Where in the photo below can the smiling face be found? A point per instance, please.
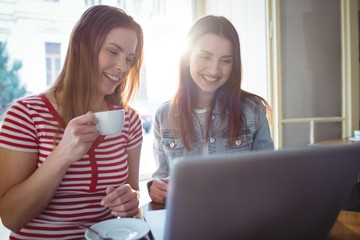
(115, 58)
(211, 62)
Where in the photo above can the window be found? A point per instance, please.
(53, 62)
(159, 6)
(92, 2)
(121, 4)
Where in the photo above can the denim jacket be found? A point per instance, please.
(168, 148)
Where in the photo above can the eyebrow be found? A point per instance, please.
(207, 52)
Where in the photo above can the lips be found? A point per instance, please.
(210, 79)
(112, 77)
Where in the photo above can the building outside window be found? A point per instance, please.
(92, 2)
(53, 61)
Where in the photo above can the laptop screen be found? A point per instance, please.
(285, 194)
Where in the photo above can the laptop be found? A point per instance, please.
(283, 194)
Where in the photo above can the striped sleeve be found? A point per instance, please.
(134, 134)
(18, 130)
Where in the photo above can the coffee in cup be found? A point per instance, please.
(110, 122)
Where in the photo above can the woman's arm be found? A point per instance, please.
(162, 169)
(262, 138)
(159, 185)
(134, 165)
(25, 189)
(124, 200)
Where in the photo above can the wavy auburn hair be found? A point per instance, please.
(77, 80)
(229, 97)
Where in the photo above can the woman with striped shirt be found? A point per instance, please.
(56, 171)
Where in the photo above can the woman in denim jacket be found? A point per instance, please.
(210, 113)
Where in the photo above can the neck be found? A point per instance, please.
(100, 105)
(203, 104)
(204, 100)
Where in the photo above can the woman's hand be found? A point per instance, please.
(123, 201)
(158, 189)
(79, 135)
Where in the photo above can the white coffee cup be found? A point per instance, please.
(357, 134)
(110, 122)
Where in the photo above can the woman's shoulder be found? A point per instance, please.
(253, 102)
(163, 108)
(256, 108)
(128, 110)
(28, 101)
(131, 112)
(24, 108)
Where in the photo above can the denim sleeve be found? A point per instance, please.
(162, 167)
(262, 138)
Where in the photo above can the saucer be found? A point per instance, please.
(353, 139)
(119, 229)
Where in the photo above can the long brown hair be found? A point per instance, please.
(229, 97)
(77, 80)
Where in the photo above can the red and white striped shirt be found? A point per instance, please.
(31, 125)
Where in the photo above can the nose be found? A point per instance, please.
(214, 67)
(122, 65)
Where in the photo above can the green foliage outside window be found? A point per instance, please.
(10, 85)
